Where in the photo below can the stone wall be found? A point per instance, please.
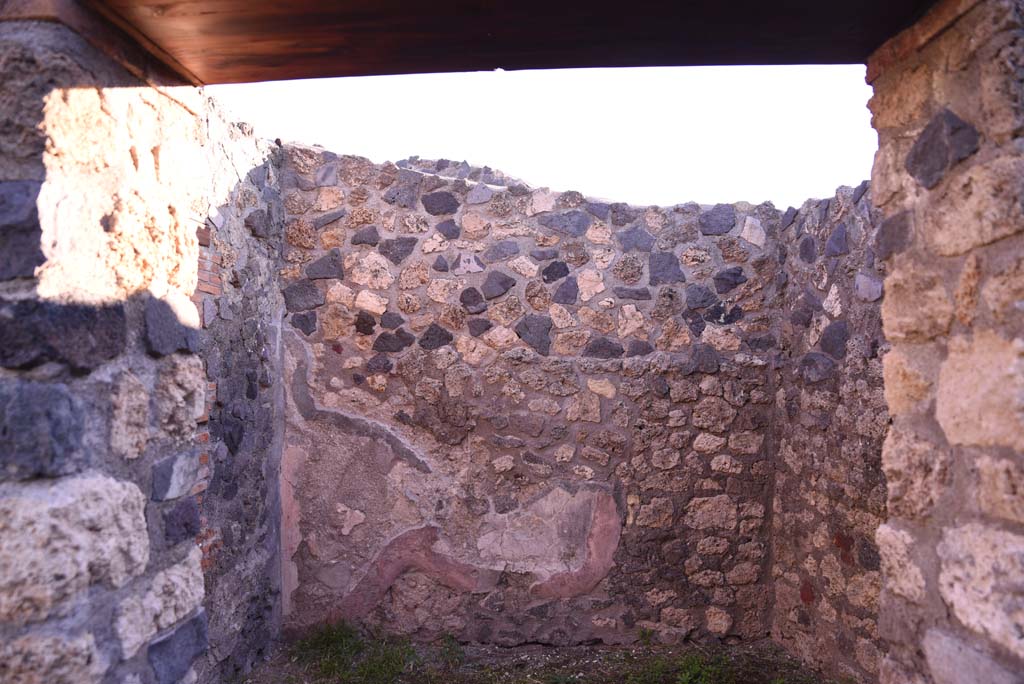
(115, 456)
(523, 416)
(949, 180)
(504, 413)
(831, 418)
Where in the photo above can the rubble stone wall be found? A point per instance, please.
(242, 386)
(830, 421)
(138, 519)
(524, 416)
(949, 180)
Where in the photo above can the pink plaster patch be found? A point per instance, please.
(412, 550)
(602, 540)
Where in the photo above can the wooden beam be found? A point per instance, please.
(148, 63)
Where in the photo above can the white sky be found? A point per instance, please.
(644, 136)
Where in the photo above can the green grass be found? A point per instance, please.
(341, 654)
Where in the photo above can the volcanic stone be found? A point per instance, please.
(695, 321)
(20, 249)
(305, 321)
(328, 266)
(379, 363)
(41, 430)
(496, 284)
(393, 342)
(397, 249)
(699, 297)
(703, 359)
(834, 338)
(440, 264)
(622, 214)
(815, 367)
(836, 244)
(729, 279)
(365, 323)
(859, 191)
(635, 238)
(259, 224)
(664, 269)
(567, 292)
(603, 348)
(181, 521)
(391, 320)
(367, 235)
(574, 223)
(634, 293)
(172, 656)
(718, 220)
(823, 208)
(472, 300)
(893, 235)
(788, 218)
(478, 326)
(536, 331)
(946, 140)
(639, 348)
(435, 337)
(556, 270)
(404, 191)
(479, 194)
(449, 229)
(328, 218)
(762, 343)
(544, 254)
(804, 309)
(165, 334)
(598, 209)
(440, 203)
(500, 251)
(303, 295)
(720, 315)
(808, 250)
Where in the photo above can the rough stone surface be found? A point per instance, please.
(945, 141)
(951, 661)
(440, 203)
(66, 659)
(718, 220)
(947, 175)
(976, 562)
(396, 250)
(735, 439)
(172, 657)
(664, 269)
(496, 284)
(536, 332)
(980, 398)
(171, 595)
(366, 235)
(303, 295)
(59, 537)
(573, 223)
(41, 431)
(83, 337)
(19, 229)
(166, 333)
(329, 265)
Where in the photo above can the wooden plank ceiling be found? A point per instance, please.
(232, 41)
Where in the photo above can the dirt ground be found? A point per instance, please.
(343, 656)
